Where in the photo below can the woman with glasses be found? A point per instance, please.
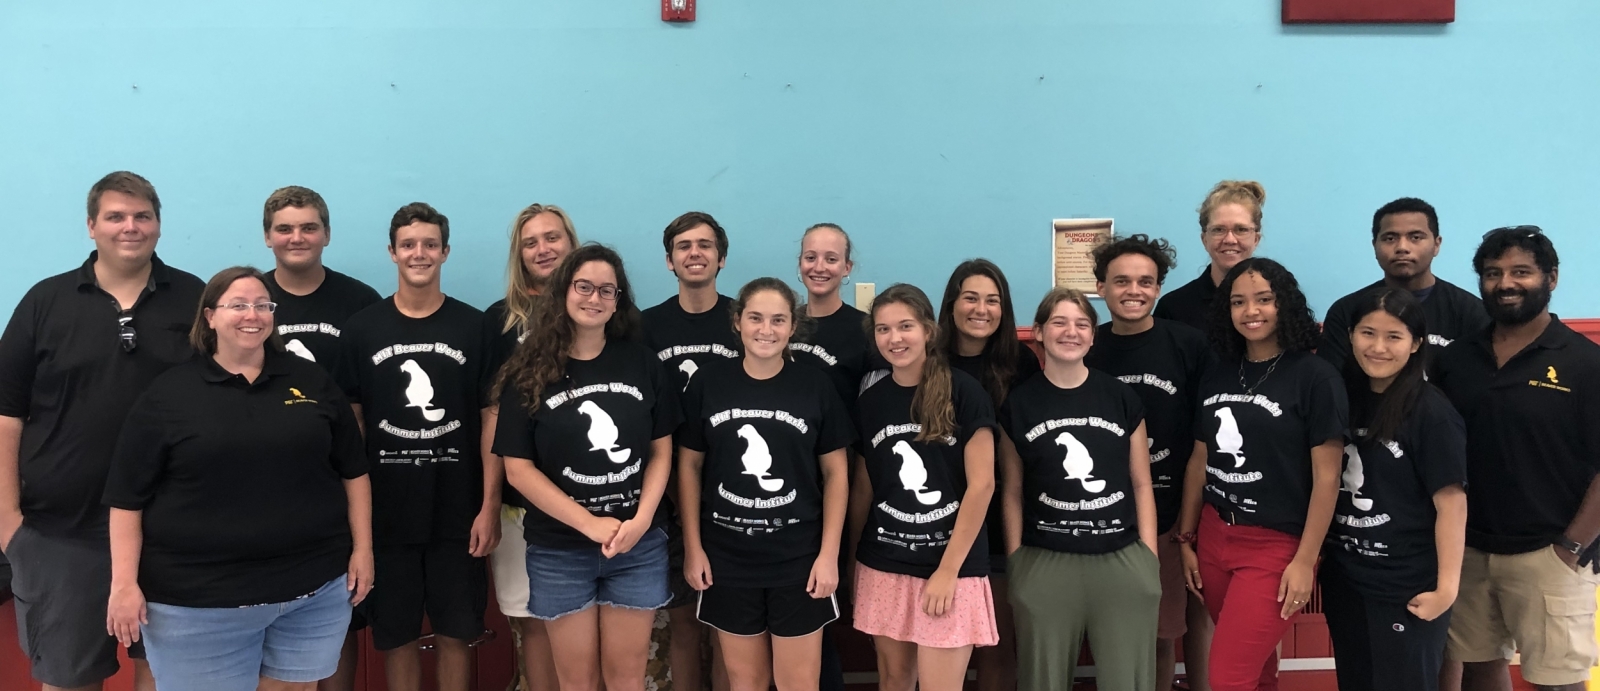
(585, 426)
(240, 508)
(1230, 229)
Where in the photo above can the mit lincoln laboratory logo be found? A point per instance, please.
(298, 397)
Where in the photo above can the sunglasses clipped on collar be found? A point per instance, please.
(125, 331)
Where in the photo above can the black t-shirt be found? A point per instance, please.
(1164, 365)
(840, 346)
(761, 482)
(1259, 445)
(65, 373)
(1451, 314)
(1026, 365)
(501, 342)
(420, 386)
(686, 342)
(917, 486)
(1190, 303)
(591, 436)
(310, 324)
(1533, 435)
(241, 483)
(1077, 490)
(1383, 525)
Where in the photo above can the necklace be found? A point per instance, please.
(1250, 390)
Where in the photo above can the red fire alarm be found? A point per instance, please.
(677, 10)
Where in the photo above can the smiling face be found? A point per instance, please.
(126, 229)
(766, 324)
(592, 311)
(1254, 308)
(420, 253)
(1130, 288)
(241, 330)
(544, 243)
(1067, 334)
(297, 237)
(901, 338)
(1514, 289)
(1382, 345)
(977, 309)
(823, 262)
(1405, 246)
(694, 257)
(1231, 235)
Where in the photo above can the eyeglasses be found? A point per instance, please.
(585, 288)
(125, 333)
(1524, 231)
(242, 307)
(1241, 232)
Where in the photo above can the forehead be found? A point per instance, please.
(894, 312)
(1404, 221)
(1069, 310)
(1381, 321)
(697, 234)
(767, 302)
(823, 239)
(418, 231)
(542, 223)
(980, 284)
(112, 200)
(1512, 257)
(1131, 264)
(1250, 283)
(248, 286)
(596, 271)
(295, 215)
(1231, 213)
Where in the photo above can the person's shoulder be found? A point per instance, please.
(1457, 295)
(50, 287)
(660, 311)
(1182, 333)
(178, 381)
(355, 288)
(1310, 366)
(962, 383)
(1434, 407)
(496, 309)
(1346, 303)
(180, 280)
(629, 350)
(376, 313)
(459, 308)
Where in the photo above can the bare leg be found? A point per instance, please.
(90, 687)
(942, 669)
(539, 664)
(748, 660)
(684, 656)
(1494, 675)
(719, 670)
(897, 664)
(624, 646)
(1197, 646)
(455, 663)
(344, 678)
(143, 680)
(1166, 663)
(402, 668)
(1450, 675)
(997, 664)
(575, 643)
(797, 662)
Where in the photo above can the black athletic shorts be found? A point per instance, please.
(439, 578)
(784, 611)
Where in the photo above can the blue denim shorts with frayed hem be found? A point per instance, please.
(231, 648)
(567, 581)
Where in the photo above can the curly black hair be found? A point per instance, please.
(1158, 250)
(1297, 329)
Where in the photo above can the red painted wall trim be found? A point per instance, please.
(1588, 327)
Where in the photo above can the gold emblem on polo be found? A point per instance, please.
(1551, 375)
(298, 397)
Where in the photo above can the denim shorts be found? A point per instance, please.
(228, 648)
(567, 581)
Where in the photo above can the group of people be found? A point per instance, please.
(231, 477)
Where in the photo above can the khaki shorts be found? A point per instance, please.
(1530, 602)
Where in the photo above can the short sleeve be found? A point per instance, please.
(836, 431)
(349, 451)
(1441, 454)
(973, 410)
(1334, 347)
(140, 457)
(1132, 406)
(347, 369)
(487, 367)
(692, 433)
(513, 432)
(18, 360)
(1327, 407)
(1003, 415)
(666, 412)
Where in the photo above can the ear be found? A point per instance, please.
(1100, 289)
(1438, 242)
(1555, 277)
(392, 257)
(1416, 345)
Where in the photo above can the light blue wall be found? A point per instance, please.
(932, 130)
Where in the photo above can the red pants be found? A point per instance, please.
(1241, 567)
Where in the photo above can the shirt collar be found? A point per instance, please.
(1555, 335)
(159, 275)
(277, 364)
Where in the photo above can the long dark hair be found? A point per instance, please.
(1388, 410)
(1002, 350)
(541, 359)
(1297, 330)
(932, 406)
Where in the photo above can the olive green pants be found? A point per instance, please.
(1059, 597)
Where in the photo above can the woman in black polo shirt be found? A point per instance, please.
(240, 508)
(1270, 434)
(1393, 564)
(923, 480)
(763, 489)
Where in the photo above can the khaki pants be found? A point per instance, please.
(1529, 602)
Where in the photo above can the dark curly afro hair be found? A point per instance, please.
(1297, 329)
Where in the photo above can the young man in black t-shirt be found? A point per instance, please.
(688, 331)
(415, 368)
(1527, 388)
(313, 304)
(1163, 362)
(1405, 238)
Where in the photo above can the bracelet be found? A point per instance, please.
(1183, 538)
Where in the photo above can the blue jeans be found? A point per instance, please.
(231, 648)
(567, 581)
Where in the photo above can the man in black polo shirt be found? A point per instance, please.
(1529, 390)
(1405, 238)
(80, 347)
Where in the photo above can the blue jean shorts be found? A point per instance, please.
(568, 581)
(228, 648)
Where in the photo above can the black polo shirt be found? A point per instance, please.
(240, 482)
(1190, 303)
(310, 324)
(64, 373)
(1451, 314)
(1533, 434)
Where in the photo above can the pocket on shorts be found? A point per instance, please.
(11, 547)
(1568, 632)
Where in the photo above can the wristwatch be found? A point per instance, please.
(1569, 544)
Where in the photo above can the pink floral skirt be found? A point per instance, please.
(889, 604)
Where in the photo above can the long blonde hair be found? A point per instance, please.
(520, 285)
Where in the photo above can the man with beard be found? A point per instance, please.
(1529, 389)
(1405, 238)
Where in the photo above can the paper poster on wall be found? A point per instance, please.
(1072, 261)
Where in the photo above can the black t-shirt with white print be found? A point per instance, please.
(419, 383)
(761, 481)
(840, 346)
(1164, 365)
(686, 342)
(1259, 444)
(501, 342)
(1077, 490)
(1383, 525)
(310, 325)
(591, 436)
(917, 486)
(1026, 365)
